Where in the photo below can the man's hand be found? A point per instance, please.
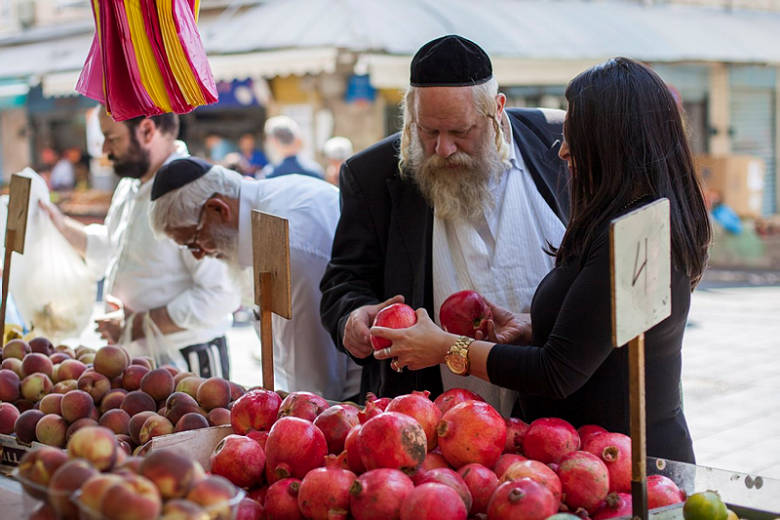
(507, 327)
(110, 329)
(357, 339)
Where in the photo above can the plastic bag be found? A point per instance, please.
(50, 283)
(154, 343)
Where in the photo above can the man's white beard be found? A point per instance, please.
(457, 186)
(225, 241)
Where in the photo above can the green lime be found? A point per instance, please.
(706, 505)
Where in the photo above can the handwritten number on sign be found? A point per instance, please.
(638, 270)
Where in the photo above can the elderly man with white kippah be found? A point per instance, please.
(208, 209)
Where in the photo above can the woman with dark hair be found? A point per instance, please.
(625, 145)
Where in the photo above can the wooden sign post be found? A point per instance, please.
(640, 265)
(271, 255)
(15, 230)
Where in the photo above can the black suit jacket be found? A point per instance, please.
(382, 245)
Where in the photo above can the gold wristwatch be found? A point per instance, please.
(457, 357)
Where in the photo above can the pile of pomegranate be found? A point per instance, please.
(412, 458)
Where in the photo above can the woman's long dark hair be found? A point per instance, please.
(626, 139)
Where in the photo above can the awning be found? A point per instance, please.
(284, 62)
(13, 93)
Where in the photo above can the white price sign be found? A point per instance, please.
(641, 270)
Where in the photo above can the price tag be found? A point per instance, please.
(271, 252)
(641, 270)
(18, 206)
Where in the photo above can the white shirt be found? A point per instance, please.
(304, 355)
(145, 272)
(502, 257)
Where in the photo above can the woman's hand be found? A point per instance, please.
(420, 346)
(507, 327)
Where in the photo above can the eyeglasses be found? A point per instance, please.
(192, 245)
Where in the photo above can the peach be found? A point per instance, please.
(116, 382)
(131, 464)
(16, 348)
(138, 401)
(87, 358)
(95, 384)
(179, 509)
(172, 369)
(158, 383)
(111, 361)
(115, 420)
(68, 478)
(172, 473)
(23, 405)
(37, 362)
(191, 421)
(9, 385)
(125, 449)
(51, 429)
(181, 375)
(146, 361)
(219, 416)
(51, 404)
(43, 512)
(81, 349)
(135, 498)
(8, 415)
(77, 425)
(63, 387)
(113, 399)
(70, 369)
(214, 392)
(162, 411)
(178, 404)
(213, 492)
(96, 444)
(37, 467)
(25, 425)
(136, 423)
(14, 365)
(92, 492)
(65, 350)
(189, 385)
(75, 405)
(58, 357)
(35, 386)
(41, 345)
(236, 390)
(131, 379)
(154, 426)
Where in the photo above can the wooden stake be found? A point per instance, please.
(15, 230)
(636, 377)
(9, 237)
(266, 335)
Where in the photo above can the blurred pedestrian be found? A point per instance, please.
(336, 150)
(254, 158)
(284, 143)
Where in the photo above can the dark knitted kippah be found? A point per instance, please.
(176, 174)
(450, 61)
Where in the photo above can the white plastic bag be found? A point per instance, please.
(154, 343)
(52, 287)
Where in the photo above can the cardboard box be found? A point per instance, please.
(11, 451)
(737, 179)
(195, 444)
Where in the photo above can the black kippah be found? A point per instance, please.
(176, 174)
(450, 61)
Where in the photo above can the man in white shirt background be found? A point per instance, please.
(156, 281)
(208, 208)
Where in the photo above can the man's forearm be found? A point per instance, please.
(160, 317)
(75, 234)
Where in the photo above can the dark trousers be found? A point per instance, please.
(208, 359)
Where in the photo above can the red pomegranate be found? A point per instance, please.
(370, 410)
(305, 405)
(380, 402)
(615, 505)
(354, 461)
(378, 494)
(258, 494)
(281, 500)
(255, 410)
(548, 439)
(324, 492)
(449, 478)
(615, 450)
(587, 430)
(248, 509)
(433, 501)
(662, 491)
(584, 480)
(515, 433)
(294, 447)
(537, 471)
(482, 482)
(395, 316)
(523, 499)
(471, 432)
(240, 460)
(335, 423)
(258, 436)
(464, 313)
(432, 460)
(455, 396)
(417, 406)
(391, 440)
(506, 460)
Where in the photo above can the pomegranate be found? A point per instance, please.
(464, 313)
(449, 478)
(258, 436)
(433, 501)
(239, 459)
(506, 460)
(515, 433)
(391, 440)
(662, 491)
(471, 432)
(380, 402)
(417, 406)
(395, 316)
(379, 493)
(370, 410)
(335, 423)
(281, 500)
(248, 509)
(294, 447)
(615, 450)
(354, 461)
(616, 504)
(548, 439)
(482, 482)
(537, 471)
(324, 492)
(523, 499)
(258, 494)
(584, 480)
(432, 460)
(587, 430)
(455, 396)
(255, 410)
(305, 405)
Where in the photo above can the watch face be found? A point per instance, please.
(457, 364)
